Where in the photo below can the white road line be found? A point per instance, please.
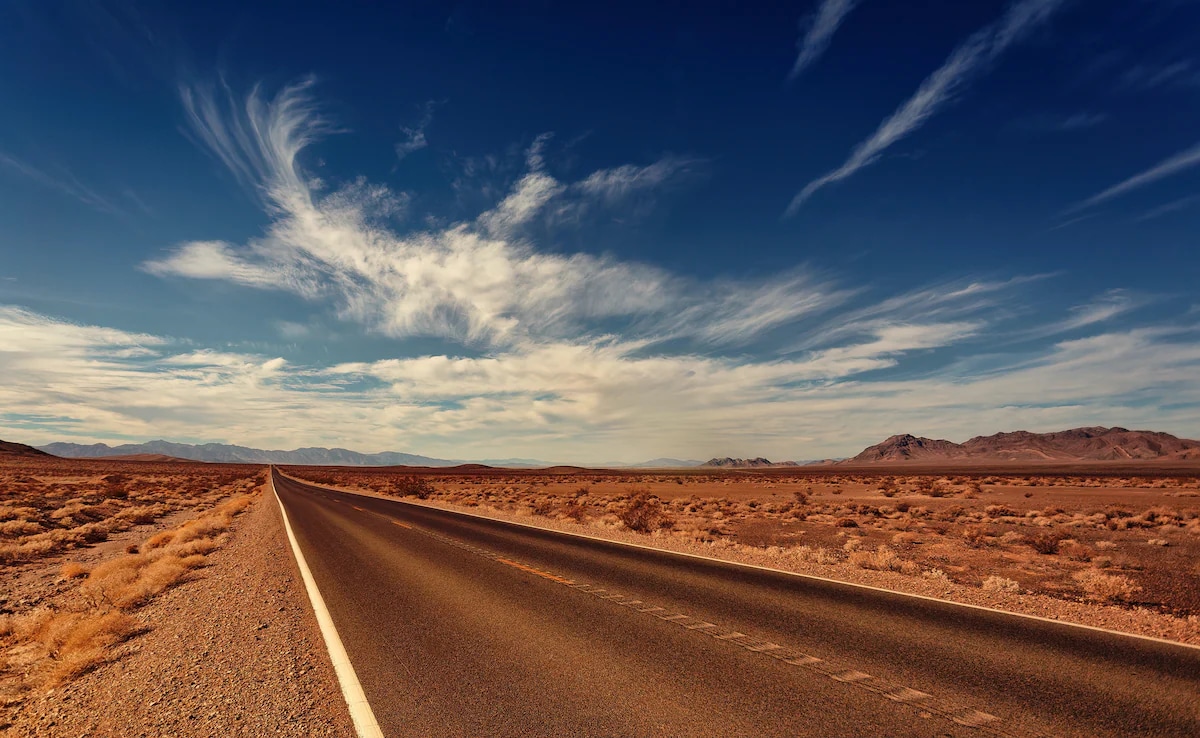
(800, 575)
(365, 724)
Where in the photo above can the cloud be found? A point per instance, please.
(414, 137)
(1181, 72)
(819, 31)
(475, 281)
(1168, 208)
(1174, 164)
(971, 58)
(1062, 123)
(66, 183)
(257, 141)
(586, 401)
(575, 356)
(212, 260)
(1111, 304)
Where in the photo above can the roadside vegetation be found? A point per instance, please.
(50, 635)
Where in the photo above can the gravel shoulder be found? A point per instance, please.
(234, 651)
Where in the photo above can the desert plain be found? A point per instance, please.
(92, 548)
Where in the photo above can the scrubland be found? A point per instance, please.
(84, 544)
(1019, 540)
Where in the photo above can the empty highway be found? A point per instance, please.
(462, 626)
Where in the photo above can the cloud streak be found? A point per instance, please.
(66, 183)
(1174, 164)
(820, 27)
(969, 59)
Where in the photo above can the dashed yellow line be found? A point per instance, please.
(531, 570)
(402, 525)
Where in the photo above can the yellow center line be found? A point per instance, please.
(402, 525)
(531, 570)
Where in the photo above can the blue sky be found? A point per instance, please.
(596, 233)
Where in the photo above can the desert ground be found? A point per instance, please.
(1109, 545)
(113, 568)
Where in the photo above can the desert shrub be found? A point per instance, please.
(1098, 585)
(18, 528)
(976, 536)
(412, 486)
(573, 510)
(1046, 543)
(644, 513)
(883, 559)
(1158, 542)
(1076, 551)
(1000, 584)
(846, 523)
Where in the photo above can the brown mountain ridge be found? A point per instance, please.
(1077, 444)
(8, 448)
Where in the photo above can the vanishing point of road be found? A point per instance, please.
(458, 625)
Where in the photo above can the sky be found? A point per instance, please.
(597, 232)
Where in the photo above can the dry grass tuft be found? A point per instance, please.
(1099, 585)
(883, 559)
(49, 647)
(74, 570)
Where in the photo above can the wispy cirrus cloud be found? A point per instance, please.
(414, 136)
(970, 59)
(474, 281)
(819, 30)
(1151, 76)
(1173, 164)
(64, 182)
(1181, 203)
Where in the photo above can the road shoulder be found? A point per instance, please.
(234, 651)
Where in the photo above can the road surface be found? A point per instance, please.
(462, 626)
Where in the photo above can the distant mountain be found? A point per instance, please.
(1078, 444)
(8, 448)
(760, 462)
(665, 463)
(220, 452)
(907, 447)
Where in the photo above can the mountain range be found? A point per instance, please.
(1077, 444)
(312, 456)
(756, 463)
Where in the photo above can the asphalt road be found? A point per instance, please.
(462, 626)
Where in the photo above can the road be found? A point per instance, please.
(462, 626)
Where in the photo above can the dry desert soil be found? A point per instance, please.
(155, 598)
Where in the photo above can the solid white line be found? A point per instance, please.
(365, 724)
(814, 577)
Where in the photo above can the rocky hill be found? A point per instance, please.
(729, 463)
(8, 448)
(1077, 444)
